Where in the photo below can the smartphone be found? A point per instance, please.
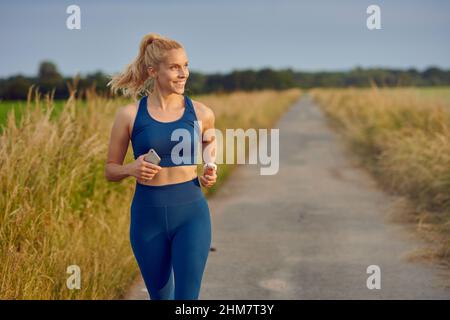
(152, 157)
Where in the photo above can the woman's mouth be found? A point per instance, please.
(180, 83)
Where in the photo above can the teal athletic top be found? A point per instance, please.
(170, 144)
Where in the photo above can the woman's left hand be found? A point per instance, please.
(209, 177)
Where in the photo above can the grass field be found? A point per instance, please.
(56, 207)
(18, 107)
(402, 136)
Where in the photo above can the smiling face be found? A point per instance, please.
(172, 74)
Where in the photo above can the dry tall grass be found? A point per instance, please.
(403, 137)
(57, 209)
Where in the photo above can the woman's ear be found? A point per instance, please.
(151, 72)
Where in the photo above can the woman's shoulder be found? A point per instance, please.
(203, 112)
(130, 108)
(126, 114)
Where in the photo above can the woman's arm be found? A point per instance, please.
(209, 146)
(208, 136)
(115, 170)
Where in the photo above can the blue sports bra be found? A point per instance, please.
(170, 144)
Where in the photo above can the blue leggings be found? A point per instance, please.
(170, 234)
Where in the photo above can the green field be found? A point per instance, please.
(18, 108)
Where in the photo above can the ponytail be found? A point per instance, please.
(135, 80)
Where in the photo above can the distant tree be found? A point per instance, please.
(49, 78)
(433, 76)
(16, 88)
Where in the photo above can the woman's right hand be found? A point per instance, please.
(143, 170)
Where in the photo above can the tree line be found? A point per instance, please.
(50, 79)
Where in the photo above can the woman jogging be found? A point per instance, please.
(170, 226)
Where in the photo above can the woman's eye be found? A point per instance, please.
(175, 67)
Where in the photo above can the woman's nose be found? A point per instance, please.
(184, 73)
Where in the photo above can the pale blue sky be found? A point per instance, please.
(221, 36)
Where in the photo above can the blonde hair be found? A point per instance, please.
(135, 80)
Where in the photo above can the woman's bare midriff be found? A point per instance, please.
(171, 175)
